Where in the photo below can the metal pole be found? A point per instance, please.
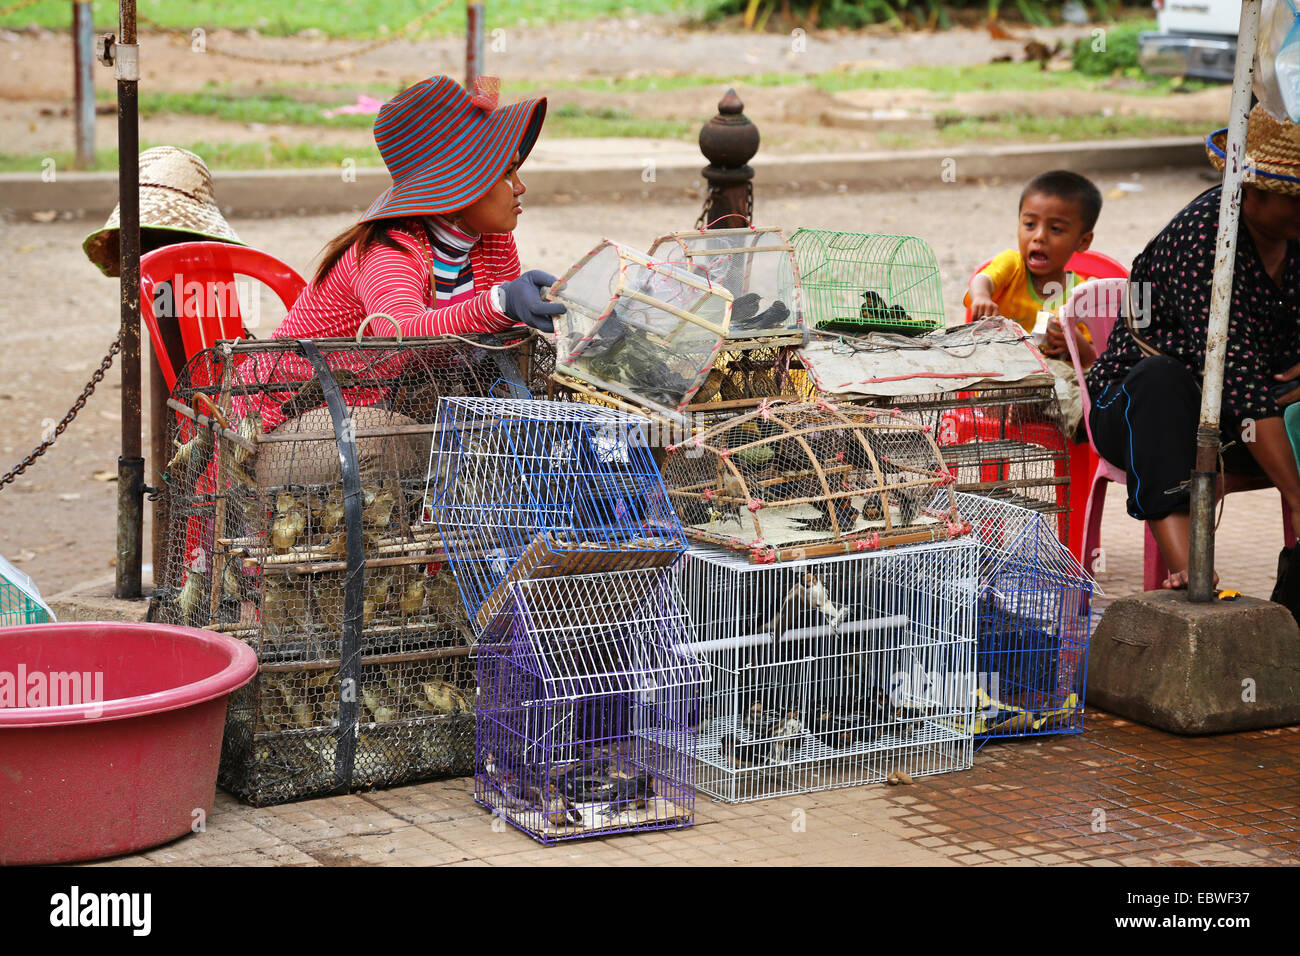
(1200, 572)
(473, 43)
(83, 57)
(130, 466)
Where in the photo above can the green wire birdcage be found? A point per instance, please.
(859, 283)
(20, 602)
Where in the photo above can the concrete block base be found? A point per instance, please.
(1160, 660)
(94, 601)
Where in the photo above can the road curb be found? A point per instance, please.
(252, 193)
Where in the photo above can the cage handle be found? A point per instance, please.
(378, 315)
(749, 223)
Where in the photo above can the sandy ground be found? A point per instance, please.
(59, 315)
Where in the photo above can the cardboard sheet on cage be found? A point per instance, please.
(996, 350)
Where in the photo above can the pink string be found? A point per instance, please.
(755, 504)
(708, 494)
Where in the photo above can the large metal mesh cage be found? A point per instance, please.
(528, 489)
(644, 331)
(586, 702)
(756, 265)
(295, 499)
(832, 672)
(1034, 611)
(857, 283)
(801, 480)
(999, 441)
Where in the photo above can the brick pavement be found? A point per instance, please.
(1119, 794)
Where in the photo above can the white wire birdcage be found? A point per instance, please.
(585, 705)
(832, 672)
(1034, 612)
(638, 329)
(529, 489)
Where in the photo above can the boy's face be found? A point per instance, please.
(1051, 230)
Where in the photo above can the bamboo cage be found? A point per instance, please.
(296, 501)
(789, 481)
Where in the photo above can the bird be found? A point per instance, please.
(806, 599)
(375, 595)
(413, 598)
(755, 754)
(745, 316)
(845, 514)
(381, 706)
(377, 508)
(754, 719)
(444, 698)
(626, 793)
(313, 394)
(787, 736)
(555, 807)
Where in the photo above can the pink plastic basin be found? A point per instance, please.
(121, 757)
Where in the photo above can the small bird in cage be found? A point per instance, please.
(745, 316)
(627, 793)
(193, 454)
(381, 705)
(737, 754)
(290, 521)
(875, 308)
(845, 514)
(312, 394)
(555, 807)
(443, 698)
(377, 508)
(808, 593)
(787, 736)
(375, 596)
(413, 597)
(190, 599)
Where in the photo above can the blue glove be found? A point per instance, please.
(521, 299)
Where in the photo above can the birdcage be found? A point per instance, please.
(832, 672)
(644, 331)
(527, 489)
(810, 479)
(295, 499)
(756, 265)
(1034, 610)
(20, 601)
(857, 283)
(999, 441)
(585, 707)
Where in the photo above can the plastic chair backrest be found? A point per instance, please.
(1095, 265)
(1097, 306)
(204, 296)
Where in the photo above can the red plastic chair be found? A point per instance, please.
(1097, 306)
(1081, 460)
(202, 276)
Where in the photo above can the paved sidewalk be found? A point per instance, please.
(1119, 794)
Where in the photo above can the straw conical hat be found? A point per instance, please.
(1272, 152)
(175, 195)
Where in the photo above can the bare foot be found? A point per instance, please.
(1177, 581)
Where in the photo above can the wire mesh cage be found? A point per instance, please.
(528, 489)
(1003, 442)
(642, 330)
(810, 479)
(857, 283)
(756, 265)
(20, 601)
(583, 721)
(295, 500)
(1034, 610)
(832, 672)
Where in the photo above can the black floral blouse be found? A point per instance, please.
(1263, 323)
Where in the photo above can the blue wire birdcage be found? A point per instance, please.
(532, 489)
(1034, 615)
(20, 602)
(585, 705)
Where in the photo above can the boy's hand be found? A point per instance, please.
(982, 307)
(1054, 346)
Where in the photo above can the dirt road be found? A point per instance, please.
(59, 315)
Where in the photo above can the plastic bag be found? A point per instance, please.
(1277, 61)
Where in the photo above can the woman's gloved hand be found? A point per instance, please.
(521, 299)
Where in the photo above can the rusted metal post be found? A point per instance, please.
(130, 466)
(83, 58)
(728, 141)
(473, 42)
(1200, 569)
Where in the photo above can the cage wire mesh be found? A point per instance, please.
(585, 707)
(345, 595)
(859, 283)
(528, 489)
(1034, 614)
(810, 479)
(20, 601)
(641, 330)
(832, 672)
(998, 441)
(756, 265)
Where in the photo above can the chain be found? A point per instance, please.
(710, 201)
(77, 406)
(15, 7)
(303, 61)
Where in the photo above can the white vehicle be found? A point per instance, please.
(1196, 38)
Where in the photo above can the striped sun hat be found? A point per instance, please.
(445, 148)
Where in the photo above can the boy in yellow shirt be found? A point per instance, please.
(1058, 212)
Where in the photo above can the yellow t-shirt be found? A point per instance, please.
(1014, 292)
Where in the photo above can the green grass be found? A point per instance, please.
(220, 156)
(345, 18)
(1031, 126)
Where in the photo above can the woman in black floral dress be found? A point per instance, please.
(1146, 386)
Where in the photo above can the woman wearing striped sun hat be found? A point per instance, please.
(434, 251)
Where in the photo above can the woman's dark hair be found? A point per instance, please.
(1070, 187)
(364, 235)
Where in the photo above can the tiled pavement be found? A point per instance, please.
(1119, 794)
